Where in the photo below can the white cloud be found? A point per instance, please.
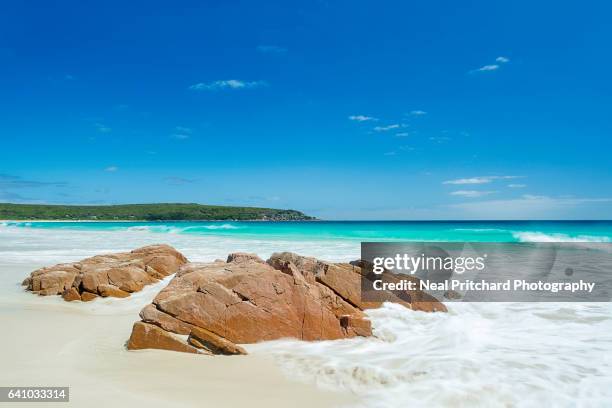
(362, 118)
(492, 67)
(517, 185)
(402, 134)
(386, 128)
(111, 169)
(418, 112)
(485, 68)
(227, 84)
(390, 153)
(471, 193)
(479, 180)
(271, 49)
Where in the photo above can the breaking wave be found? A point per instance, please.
(495, 354)
(180, 229)
(155, 228)
(530, 236)
(480, 229)
(221, 227)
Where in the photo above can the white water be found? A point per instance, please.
(526, 355)
(531, 236)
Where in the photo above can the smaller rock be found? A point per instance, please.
(110, 290)
(239, 257)
(208, 340)
(148, 336)
(107, 275)
(88, 296)
(71, 294)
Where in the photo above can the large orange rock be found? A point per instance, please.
(115, 275)
(247, 301)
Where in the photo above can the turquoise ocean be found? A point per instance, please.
(477, 231)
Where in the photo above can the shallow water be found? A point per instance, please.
(495, 354)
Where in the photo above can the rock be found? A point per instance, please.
(345, 280)
(88, 296)
(361, 327)
(416, 300)
(149, 336)
(53, 282)
(71, 294)
(93, 278)
(150, 314)
(131, 278)
(114, 275)
(208, 340)
(306, 265)
(247, 301)
(113, 291)
(342, 278)
(243, 257)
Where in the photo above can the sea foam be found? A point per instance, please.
(500, 354)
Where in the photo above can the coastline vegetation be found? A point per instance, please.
(146, 212)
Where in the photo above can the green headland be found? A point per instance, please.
(146, 212)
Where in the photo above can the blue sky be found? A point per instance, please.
(341, 109)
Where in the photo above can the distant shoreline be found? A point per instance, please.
(37, 220)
